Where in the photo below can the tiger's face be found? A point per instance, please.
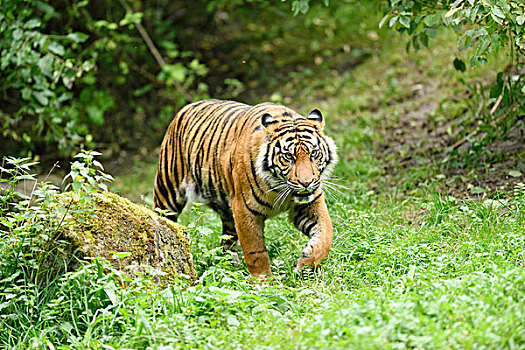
(296, 157)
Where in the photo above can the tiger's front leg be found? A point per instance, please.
(249, 228)
(314, 221)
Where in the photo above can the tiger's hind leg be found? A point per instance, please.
(229, 234)
(169, 201)
(230, 238)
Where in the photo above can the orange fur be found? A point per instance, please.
(250, 163)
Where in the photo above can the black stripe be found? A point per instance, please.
(226, 120)
(196, 169)
(202, 156)
(166, 179)
(303, 222)
(194, 128)
(258, 252)
(163, 192)
(309, 228)
(178, 137)
(253, 211)
(284, 130)
(316, 197)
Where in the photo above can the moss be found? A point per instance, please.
(109, 223)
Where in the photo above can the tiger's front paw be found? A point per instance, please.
(307, 263)
(304, 263)
(311, 259)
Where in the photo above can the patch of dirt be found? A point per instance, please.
(415, 139)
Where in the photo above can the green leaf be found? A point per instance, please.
(431, 32)
(405, 21)
(451, 12)
(433, 19)
(471, 35)
(496, 42)
(96, 114)
(110, 289)
(497, 12)
(56, 48)
(300, 6)
(17, 34)
(45, 64)
(515, 173)
(78, 37)
(175, 72)
(495, 90)
(26, 93)
(384, 19)
(41, 97)
(520, 20)
(32, 23)
(393, 21)
(497, 15)
(77, 186)
(520, 42)
(66, 326)
(131, 17)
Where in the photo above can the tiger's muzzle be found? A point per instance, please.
(301, 189)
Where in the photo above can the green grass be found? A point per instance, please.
(411, 266)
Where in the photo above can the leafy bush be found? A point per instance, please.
(64, 69)
(31, 276)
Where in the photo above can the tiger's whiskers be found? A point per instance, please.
(333, 190)
(281, 197)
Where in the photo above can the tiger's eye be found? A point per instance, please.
(288, 156)
(314, 153)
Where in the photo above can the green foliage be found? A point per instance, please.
(486, 27)
(32, 278)
(38, 73)
(64, 72)
(496, 23)
(85, 177)
(410, 267)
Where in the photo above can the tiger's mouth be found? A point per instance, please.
(303, 193)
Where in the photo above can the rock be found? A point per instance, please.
(108, 225)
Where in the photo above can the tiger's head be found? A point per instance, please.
(295, 157)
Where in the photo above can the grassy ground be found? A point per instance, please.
(413, 265)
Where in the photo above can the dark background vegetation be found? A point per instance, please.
(80, 74)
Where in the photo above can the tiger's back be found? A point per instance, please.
(198, 153)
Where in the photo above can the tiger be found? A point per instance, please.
(250, 163)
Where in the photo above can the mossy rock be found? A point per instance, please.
(108, 223)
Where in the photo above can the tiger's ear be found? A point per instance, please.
(317, 118)
(267, 121)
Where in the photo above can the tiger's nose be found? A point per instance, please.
(305, 184)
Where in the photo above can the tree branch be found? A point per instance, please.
(158, 57)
